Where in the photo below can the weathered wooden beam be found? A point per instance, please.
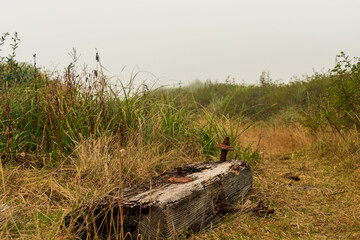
(159, 209)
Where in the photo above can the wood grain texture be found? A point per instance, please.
(158, 209)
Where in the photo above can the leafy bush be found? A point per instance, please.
(339, 106)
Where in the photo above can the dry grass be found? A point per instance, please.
(274, 139)
(323, 204)
(40, 198)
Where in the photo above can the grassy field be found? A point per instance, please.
(323, 204)
(73, 137)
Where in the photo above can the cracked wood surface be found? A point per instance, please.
(158, 209)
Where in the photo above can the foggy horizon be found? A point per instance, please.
(181, 41)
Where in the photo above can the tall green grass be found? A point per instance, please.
(256, 102)
(42, 118)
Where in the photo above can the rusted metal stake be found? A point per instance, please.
(225, 147)
(179, 172)
(223, 155)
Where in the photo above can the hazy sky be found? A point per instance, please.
(182, 40)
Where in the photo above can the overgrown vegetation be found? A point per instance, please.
(43, 117)
(70, 138)
(263, 101)
(339, 107)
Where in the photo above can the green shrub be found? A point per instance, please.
(339, 105)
